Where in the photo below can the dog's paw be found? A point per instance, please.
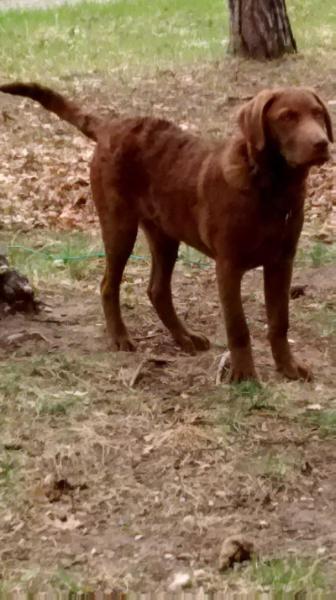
(193, 342)
(122, 344)
(200, 341)
(238, 374)
(295, 370)
(237, 371)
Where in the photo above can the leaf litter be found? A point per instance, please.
(45, 162)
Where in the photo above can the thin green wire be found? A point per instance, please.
(66, 259)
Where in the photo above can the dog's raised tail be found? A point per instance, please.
(65, 109)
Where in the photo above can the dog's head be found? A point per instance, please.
(293, 121)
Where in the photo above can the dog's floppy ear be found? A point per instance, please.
(251, 119)
(327, 117)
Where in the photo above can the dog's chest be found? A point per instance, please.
(276, 228)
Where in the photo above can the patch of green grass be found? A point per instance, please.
(252, 396)
(252, 391)
(316, 255)
(44, 384)
(313, 23)
(90, 37)
(324, 421)
(10, 383)
(56, 406)
(64, 581)
(321, 254)
(190, 256)
(7, 469)
(234, 404)
(11, 464)
(68, 256)
(33, 583)
(274, 466)
(323, 319)
(74, 256)
(26, 584)
(296, 576)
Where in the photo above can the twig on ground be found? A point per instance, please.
(223, 367)
(156, 360)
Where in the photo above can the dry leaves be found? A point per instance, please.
(44, 176)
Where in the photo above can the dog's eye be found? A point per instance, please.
(288, 116)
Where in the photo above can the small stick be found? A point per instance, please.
(136, 374)
(157, 360)
(224, 365)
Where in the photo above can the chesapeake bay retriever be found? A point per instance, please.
(240, 203)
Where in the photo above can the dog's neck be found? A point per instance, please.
(272, 174)
(268, 172)
(272, 170)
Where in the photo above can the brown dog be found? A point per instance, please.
(240, 203)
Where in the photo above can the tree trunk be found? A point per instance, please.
(260, 29)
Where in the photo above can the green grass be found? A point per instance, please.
(324, 421)
(234, 405)
(63, 581)
(87, 37)
(274, 466)
(74, 256)
(274, 579)
(32, 582)
(43, 385)
(316, 254)
(327, 320)
(7, 468)
(11, 463)
(70, 257)
(323, 319)
(313, 23)
(321, 254)
(293, 575)
(59, 406)
(59, 256)
(251, 390)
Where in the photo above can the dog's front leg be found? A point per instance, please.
(229, 284)
(277, 279)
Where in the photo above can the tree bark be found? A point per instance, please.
(260, 29)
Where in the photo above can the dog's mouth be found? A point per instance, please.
(315, 159)
(322, 157)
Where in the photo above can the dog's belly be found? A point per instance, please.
(176, 217)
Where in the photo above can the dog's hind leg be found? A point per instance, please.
(119, 227)
(164, 252)
(118, 250)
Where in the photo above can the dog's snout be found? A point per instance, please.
(321, 145)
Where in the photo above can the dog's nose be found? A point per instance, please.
(321, 145)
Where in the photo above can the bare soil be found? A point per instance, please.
(120, 470)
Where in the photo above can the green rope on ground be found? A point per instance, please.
(65, 258)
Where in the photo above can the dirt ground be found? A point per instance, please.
(119, 471)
